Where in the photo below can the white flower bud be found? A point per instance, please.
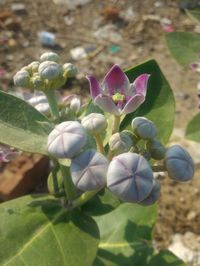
(33, 67)
(75, 104)
(67, 139)
(50, 70)
(144, 128)
(37, 99)
(22, 78)
(94, 123)
(50, 56)
(42, 107)
(70, 70)
(120, 142)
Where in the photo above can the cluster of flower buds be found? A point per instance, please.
(45, 74)
(127, 169)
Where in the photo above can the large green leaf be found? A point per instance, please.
(22, 126)
(105, 201)
(184, 46)
(39, 231)
(193, 128)
(126, 235)
(159, 105)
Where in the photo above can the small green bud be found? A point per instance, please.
(94, 123)
(156, 149)
(143, 128)
(50, 56)
(22, 78)
(70, 70)
(33, 67)
(37, 82)
(50, 70)
(120, 142)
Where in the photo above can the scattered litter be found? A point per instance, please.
(78, 53)
(166, 25)
(111, 13)
(151, 17)
(158, 4)
(108, 32)
(68, 20)
(114, 49)
(71, 5)
(18, 8)
(129, 14)
(46, 38)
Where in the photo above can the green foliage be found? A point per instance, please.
(159, 105)
(184, 46)
(22, 126)
(193, 128)
(39, 231)
(125, 236)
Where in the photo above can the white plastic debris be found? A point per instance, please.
(71, 4)
(108, 32)
(46, 38)
(78, 53)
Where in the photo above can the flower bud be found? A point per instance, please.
(130, 177)
(37, 99)
(67, 139)
(55, 183)
(94, 123)
(153, 196)
(33, 67)
(37, 82)
(144, 128)
(179, 163)
(75, 104)
(50, 70)
(88, 170)
(50, 56)
(70, 70)
(42, 107)
(120, 142)
(156, 149)
(22, 78)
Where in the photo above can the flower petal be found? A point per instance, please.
(140, 84)
(94, 86)
(106, 104)
(133, 104)
(115, 81)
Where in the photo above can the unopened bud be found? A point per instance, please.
(37, 82)
(22, 78)
(50, 70)
(88, 170)
(179, 163)
(70, 70)
(55, 183)
(67, 139)
(144, 128)
(154, 194)
(156, 149)
(50, 56)
(120, 142)
(94, 123)
(33, 67)
(130, 177)
(75, 104)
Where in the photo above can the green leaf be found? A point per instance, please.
(22, 126)
(165, 258)
(184, 46)
(125, 234)
(193, 128)
(39, 231)
(159, 105)
(102, 203)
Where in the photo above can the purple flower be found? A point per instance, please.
(116, 95)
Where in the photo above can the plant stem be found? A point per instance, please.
(68, 184)
(83, 199)
(116, 124)
(99, 143)
(51, 97)
(158, 168)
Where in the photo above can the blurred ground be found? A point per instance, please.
(106, 32)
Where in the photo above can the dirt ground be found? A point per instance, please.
(139, 36)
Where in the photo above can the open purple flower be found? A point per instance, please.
(116, 95)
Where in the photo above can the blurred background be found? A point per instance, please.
(94, 35)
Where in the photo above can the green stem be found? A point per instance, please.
(116, 124)
(158, 168)
(99, 143)
(51, 97)
(69, 187)
(83, 199)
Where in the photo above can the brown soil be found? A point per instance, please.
(142, 38)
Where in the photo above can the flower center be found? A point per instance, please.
(118, 97)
